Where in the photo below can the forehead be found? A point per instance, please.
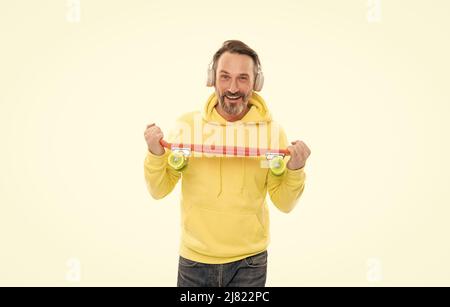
(235, 63)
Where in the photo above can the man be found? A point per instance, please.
(225, 220)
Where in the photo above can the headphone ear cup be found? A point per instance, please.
(259, 81)
(210, 77)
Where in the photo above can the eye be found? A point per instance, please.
(225, 77)
(244, 78)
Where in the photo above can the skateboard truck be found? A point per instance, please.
(276, 163)
(178, 158)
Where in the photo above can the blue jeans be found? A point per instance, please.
(248, 272)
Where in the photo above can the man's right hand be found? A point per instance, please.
(153, 135)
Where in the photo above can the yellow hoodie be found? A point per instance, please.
(224, 214)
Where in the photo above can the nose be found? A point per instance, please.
(233, 87)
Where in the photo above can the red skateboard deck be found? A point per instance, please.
(180, 153)
(226, 150)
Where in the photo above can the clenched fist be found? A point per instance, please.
(153, 135)
(299, 153)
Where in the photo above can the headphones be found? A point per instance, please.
(259, 80)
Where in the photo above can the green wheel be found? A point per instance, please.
(277, 166)
(177, 160)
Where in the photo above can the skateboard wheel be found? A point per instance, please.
(277, 165)
(177, 160)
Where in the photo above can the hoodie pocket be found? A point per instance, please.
(223, 234)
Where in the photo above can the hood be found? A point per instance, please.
(258, 113)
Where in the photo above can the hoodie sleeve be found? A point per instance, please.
(285, 190)
(159, 176)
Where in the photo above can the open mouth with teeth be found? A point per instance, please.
(233, 98)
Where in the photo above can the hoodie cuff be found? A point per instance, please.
(156, 161)
(296, 174)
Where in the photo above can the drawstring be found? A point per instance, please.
(243, 175)
(220, 177)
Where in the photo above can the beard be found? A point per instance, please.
(236, 107)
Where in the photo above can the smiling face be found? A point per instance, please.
(234, 85)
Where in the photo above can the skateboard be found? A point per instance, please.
(178, 158)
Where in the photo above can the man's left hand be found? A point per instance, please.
(299, 153)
